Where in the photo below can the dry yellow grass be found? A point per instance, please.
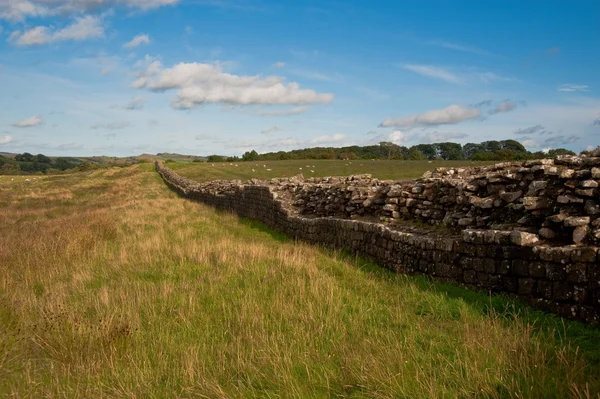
(112, 286)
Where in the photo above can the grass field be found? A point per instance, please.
(391, 170)
(113, 286)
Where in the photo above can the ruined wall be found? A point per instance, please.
(555, 199)
(560, 279)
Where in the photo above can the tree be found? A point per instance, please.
(63, 164)
(429, 151)
(41, 158)
(415, 155)
(24, 157)
(215, 158)
(470, 149)
(388, 148)
(451, 151)
(250, 156)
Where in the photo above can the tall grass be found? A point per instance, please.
(112, 286)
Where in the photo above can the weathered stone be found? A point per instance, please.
(466, 221)
(568, 199)
(523, 239)
(531, 203)
(589, 184)
(556, 218)
(587, 254)
(545, 232)
(511, 196)
(574, 221)
(591, 207)
(484, 203)
(595, 173)
(579, 234)
(588, 192)
(566, 173)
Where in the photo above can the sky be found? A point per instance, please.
(125, 77)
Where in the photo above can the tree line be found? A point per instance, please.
(503, 150)
(30, 164)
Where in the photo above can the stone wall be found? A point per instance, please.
(561, 279)
(554, 199)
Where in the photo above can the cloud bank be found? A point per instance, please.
(201, 84)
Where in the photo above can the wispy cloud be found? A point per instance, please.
(271, 130)
(83, 28)
(433, 72)
(5, 139)
(29, 122)
(447, 116)
(135, 103)
(459, 47)
(111, 126)
(530, 130)
(504, 106)
(573, 87)
(279, 65)
(137, 41)
(456, 76)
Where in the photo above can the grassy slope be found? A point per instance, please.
(378, 168)
(112, 286)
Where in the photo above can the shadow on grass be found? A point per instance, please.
(276, 235)
(586, 337)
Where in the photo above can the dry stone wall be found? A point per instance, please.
(488, 253)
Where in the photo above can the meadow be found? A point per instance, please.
(381, 169)
(111, 285)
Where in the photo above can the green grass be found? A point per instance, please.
(381, 169)
(113, 286)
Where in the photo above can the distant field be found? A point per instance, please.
(311, 168)
(113, 286)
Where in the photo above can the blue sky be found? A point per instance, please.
(123, 77)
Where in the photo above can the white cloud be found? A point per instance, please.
(328, 139)
(136, 103)
(573, 87)
(504, 106)
(397, 137)
(30, 122)
(137, 41)
(111, 126)
(284, 112)
(200, 84)
(446, 116)
(19, 10)
(279, 65)
(271, 130)
(5, 140)
(83, 28)
(433, 72)
(530, 143)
